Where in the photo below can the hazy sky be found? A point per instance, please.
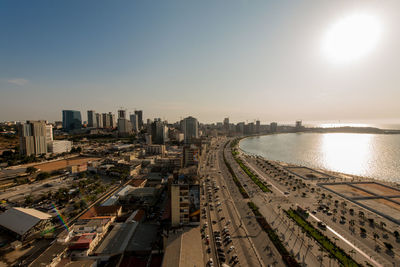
(210, 59)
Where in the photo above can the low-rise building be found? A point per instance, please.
(59, 146)
(23, 222)
(155, 149)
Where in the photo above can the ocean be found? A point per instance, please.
(372, 155)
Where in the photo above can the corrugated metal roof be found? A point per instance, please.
(21, 220)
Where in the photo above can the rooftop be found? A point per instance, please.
(98, 212)
(21, 220)
(183, 248)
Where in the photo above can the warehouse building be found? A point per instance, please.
(23, 222)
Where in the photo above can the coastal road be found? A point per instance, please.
(364, 254)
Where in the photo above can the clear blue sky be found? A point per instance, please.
(209, 59)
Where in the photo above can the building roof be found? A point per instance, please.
(46, 258)
(21, 220)
(98, 212)
(137, 182)
(182, 248)
(124, 191)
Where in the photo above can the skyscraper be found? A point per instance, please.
(190, 127)
(121, 114)
(32, 137)
(258, 129)
(92, 122)
(99, 120)
(49, 133)
(139, 114)
(134, 122)
(124, 125)
(106, 121)
(226, 124)
(273, 127)
(159, 131)
(112, 120)
(72, 120)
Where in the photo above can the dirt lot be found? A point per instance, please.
(379, 189)
(396, 199)
(62, 164)
(384, 206)
(348, 190)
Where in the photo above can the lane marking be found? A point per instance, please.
(349, 243)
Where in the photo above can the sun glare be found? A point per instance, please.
(351, 38)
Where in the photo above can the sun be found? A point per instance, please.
(351, 38)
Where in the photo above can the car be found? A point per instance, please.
(222, 218)
(231, 248)
(220, 250)
(286, 193)
(322, 225)
(208, 250)
(314, 212)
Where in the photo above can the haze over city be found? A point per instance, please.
(199, 133)
(248, 60)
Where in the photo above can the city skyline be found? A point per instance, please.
(246, 61)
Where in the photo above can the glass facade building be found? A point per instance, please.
(72, 120)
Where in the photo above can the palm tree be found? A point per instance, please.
(352, 252)
(383, 224)
(321, 257)
(376, 236)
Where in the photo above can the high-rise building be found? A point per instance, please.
(159, 131)
(190, 127)
(112, 120)
(99, 120)
(226, 124)
(273, 127)
(134, 122)
(240, 127)
(92, 122)
(139, 114)
(298, 125)
(121, 114)
(257, 127)
(124, 125)
(185, 203)
(72, 120)
(49, 133)
(106, 121)
(32, 137)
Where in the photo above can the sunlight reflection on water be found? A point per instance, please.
(372, 155)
